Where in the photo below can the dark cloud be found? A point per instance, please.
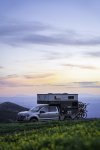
(95, 84)
(88, 84)
(33, 76)
(39, 76)
(17, 33)
(57, 39)
(15, 29)
(93, 54)
(79, 66)
(10, 76)
(12, 32)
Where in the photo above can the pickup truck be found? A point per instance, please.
(39, 113)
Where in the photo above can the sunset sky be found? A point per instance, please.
(49, 46)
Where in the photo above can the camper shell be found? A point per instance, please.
(66, 103)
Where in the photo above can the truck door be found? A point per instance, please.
(53, 113)
(44, 113)
(49, 113)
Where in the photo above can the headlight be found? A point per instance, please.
(18, 114)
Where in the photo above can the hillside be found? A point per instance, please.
(52, 135)
(8, 111)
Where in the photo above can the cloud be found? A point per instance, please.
(39, 76)
(95, 84)
(52, 55)
(89, 84)
(12, 32)
(57, 39)
(93, 54)
(4, 83)
(85, 84)
(28, 76)
(7, 81)
(10, 76)
(1, 67)
(16, 28)
(79, 66)
(14, 80)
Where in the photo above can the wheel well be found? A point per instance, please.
(33, 118)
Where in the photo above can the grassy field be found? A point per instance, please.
(60, 135)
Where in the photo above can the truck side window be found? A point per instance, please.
(55, 97)
(45, 109)
(52, 108)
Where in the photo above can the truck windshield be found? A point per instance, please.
(35, 109)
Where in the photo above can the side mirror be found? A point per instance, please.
(41, 111)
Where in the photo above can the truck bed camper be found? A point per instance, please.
(55, 106)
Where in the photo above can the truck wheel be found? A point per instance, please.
(33, 120)
(84, 115)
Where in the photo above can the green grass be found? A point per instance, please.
(55, 135)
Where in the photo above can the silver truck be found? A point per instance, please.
(39, 113)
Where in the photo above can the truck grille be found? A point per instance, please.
(20, 118)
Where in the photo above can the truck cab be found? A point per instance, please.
(39, 113)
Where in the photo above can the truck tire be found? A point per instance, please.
(84, 115)
(33, 119)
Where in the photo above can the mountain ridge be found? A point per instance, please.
(9, 110)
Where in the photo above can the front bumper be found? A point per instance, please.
(21, 118)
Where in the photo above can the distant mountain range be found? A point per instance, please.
(8, 111)
(25, 101)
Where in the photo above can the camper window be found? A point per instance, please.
(70, 97)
